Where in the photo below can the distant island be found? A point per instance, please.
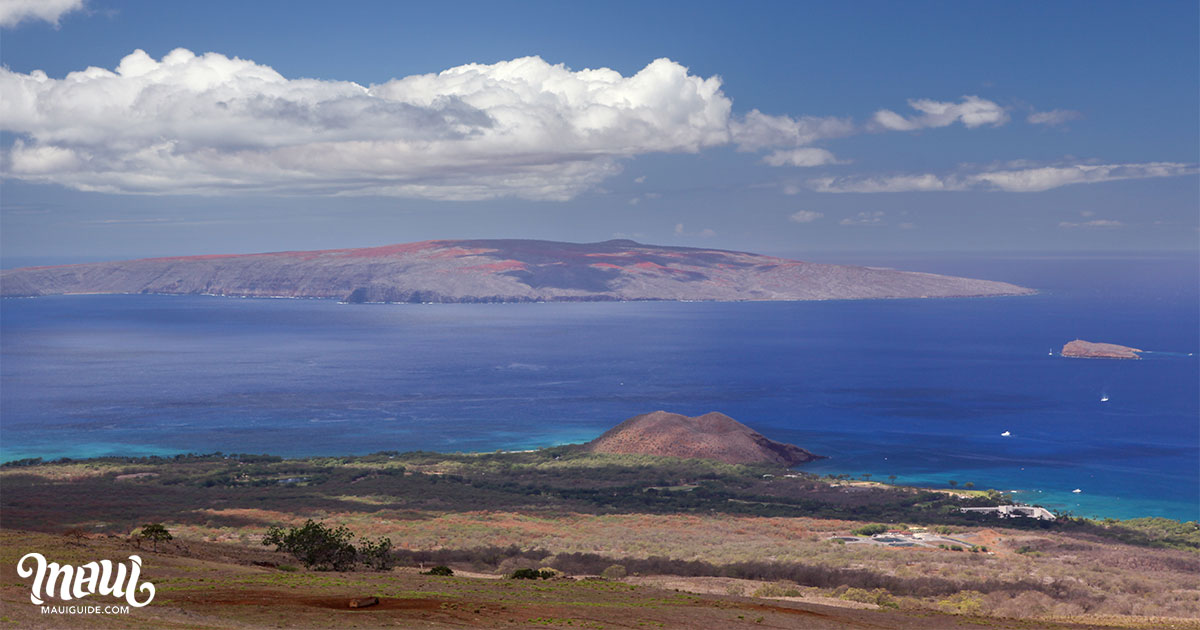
(496, 271)
(710, 436)
(1080, 349)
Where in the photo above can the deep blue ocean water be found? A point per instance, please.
(919, 389)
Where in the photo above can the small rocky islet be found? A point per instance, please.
(1080, 349)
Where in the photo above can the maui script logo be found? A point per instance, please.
(88, 579)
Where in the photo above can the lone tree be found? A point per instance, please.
(319, 547)
(155, 532)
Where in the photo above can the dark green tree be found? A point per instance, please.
(531, 574)
(154, 532)
(376, 554)
(317, 546)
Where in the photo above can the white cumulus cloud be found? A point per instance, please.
(13, 12)
(971, 111)
(211, 124)
(1008, 180)
(1053, 117)
(807, 156)
(805, 216)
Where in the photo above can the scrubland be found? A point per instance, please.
(722, 532)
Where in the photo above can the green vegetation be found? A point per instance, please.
(554, 479)
(155, 533)
(531, 574)
(376, 554)
(778, 589)
(1153, 532)
(440, 569)
(614, 572)
(879, 596)
(870, 530)
(317, 546)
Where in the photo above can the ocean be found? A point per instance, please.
(921, 390)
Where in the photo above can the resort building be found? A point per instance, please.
(1011, 511)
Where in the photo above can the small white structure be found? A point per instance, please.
(1015, 511)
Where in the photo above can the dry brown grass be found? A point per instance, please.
(1096, 577)
(220, 592)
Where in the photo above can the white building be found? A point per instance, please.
(1015, 511)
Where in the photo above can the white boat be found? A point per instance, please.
(1104, 398)
(1005, 434)
(1077, 491)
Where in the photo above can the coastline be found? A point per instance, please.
(832, 377)
(1058, 502)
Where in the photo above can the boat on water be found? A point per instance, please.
(1005, 434)
(1104, 398)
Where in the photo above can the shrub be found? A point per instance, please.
(377, 554)
(440, 569)
(778, 589)
(531, 574)
(962, 603)
(614, 572)
(315, 545)
(879, 596)
(870, 530)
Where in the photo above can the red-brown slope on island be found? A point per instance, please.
(710, 436)
(1080, 349)
(497, 271)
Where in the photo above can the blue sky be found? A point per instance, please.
(801, 128)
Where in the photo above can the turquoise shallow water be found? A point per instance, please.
(920, 389)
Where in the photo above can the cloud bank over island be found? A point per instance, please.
(211, 124)
(216, 125)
